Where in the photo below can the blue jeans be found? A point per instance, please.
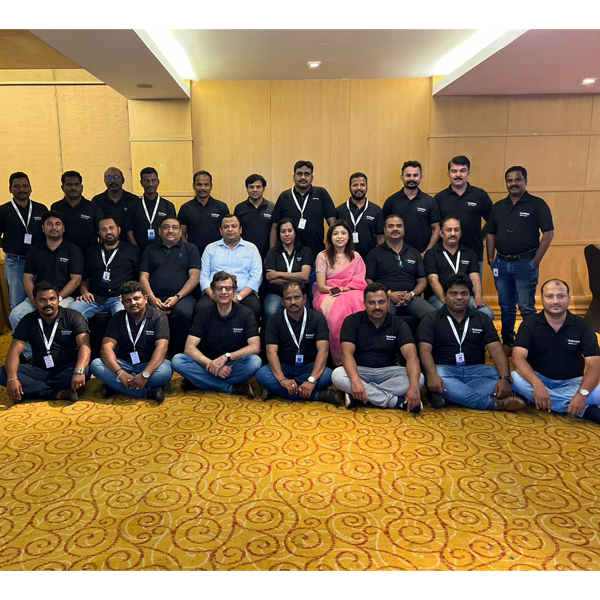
(437, 304)
(265, 377)
(160, 377)
(89, 309)
(272, 304)
(13, 273)
(472, 386)
(561, 391)
(241, 370)
(516, 283)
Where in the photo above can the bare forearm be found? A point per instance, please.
(476, 281)
(427, 361)
(525, 371)
(131, 238)
(253, 347)
(490, 242)
(320, 363)
(158, 357)
(351, 368)
(12, 364)
(71, 286)
(590, 378)
(420, 287)
(274, 362)
(543, 247)
(84, 355)
(435, 236)
(190, 285)
(436, 286)
(109, 358)
(413, 370)
(499, 358)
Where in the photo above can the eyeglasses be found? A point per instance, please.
(223, 288)
(111, 177)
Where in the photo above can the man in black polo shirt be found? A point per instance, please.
(60, 341)
(221, 349)
(468, 203)
(108, 266)
(452, 345)
(420, 213)
(201, 216)
(365, 217)
(557, 359)
(144, 217)
(399, 267)
(448, 258)
(513, 230)
(80, 216)
(20, 228)
(134, 349)
(307, 206)
(114, 201)
(371, 340)
(297, 341)
(256, 214)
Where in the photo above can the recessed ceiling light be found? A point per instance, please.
(589, 80)
(314, 64)
(144, 86)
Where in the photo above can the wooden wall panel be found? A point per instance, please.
(161, 119)
(590, 220)
(567, 214)
(592, 178)
(550, 114)
(466, 114)
(595, 126)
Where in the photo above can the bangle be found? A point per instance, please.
(12, 379)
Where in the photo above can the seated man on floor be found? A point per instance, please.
(60, 342)
(452, 345)
(134, 349)
(557, 359)
(297, 341)
(371, 340)
(222, 346)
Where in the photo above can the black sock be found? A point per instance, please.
(592, 413)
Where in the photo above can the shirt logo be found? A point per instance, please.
(464, 262)
(523, 214)
(316, 198)
(421, 209)
(369, 217)
(237, 329)
(66, 332)
(310, 336)
(215, 215)
(267, 215)
(390, 338)
(87, 217)
(37, 218)
(63, 259)
(161, 214)
(572, 342)
(475, 330)
(471, 203)
(299, 258)
(410, 261)
(149, 332)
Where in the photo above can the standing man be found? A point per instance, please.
(307, 207)
(169, 274)
(20, 228)
(468, 203)
(80, 216)
(365, 217)
(557, 359)
(115, 201)
(134, 349)
(108, 266)
(256, 214)
(201, 216)
(60, 340)
(144, 217)
(514, 231)
(418, 210)
(371, 340)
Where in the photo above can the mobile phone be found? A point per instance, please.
(335, 291)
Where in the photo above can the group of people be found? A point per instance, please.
(201, 291)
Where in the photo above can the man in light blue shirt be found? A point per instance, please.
(234, 255)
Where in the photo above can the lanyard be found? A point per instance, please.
(355, 223)
(298, 204)
(287, 321)
(26, 225)
(137, 337)
(151, 220)
(455, 269)
(289, 264)
(464, 335)
(110, 259)
(47, 343)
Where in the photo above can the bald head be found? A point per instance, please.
(114, 180)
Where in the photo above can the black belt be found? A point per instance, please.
(7, 255)
(516, 257)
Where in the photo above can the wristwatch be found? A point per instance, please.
(506, 378)
(311, 379)
(178, 296)
(227, 355)
(584, 392)
(79, 371)
(145, 374)
(239, 298)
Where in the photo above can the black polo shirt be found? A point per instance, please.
(118, 210)
(275, 261)
(169, 267)
(418, 214)
(517, 226)
(376, 348)
(436, 263)
(474, 205)
(156, 328)
(123, 267)
(219, 335)
(203, 222)
(64, 345)
(401, 275)
(435, 329)
(557, 354)
(369, 226)
(13, 231)
(278, 334)
(55, 266)
(80, 221)
(137, 222)
(256, 223)
(319, 207)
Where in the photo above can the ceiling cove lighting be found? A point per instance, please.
(173, 52)
(589, 80)
(314, 64)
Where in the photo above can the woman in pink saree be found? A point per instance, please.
(338, 291)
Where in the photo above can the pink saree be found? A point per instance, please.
(337, 308)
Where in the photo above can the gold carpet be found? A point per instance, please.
(213, 481)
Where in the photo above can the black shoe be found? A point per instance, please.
(592, 413)
(157, 394)
(69, 394)
(329, 396)
(187, 385)
(436, 400)
(243, 389)
(402, 406)
(266, 394)
(349, 401)
(107, 391)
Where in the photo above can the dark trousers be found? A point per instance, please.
(42, 384)
(180, 319)
(251, 301)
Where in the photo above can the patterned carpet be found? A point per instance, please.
(218, 482)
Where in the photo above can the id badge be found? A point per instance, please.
(301, 223)
(151, 235)
(28, 238)
(495, 272)
(135, 358)
(460, 359)
(299, 360)
(355, 237)
(106, 276)
(48, 361)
